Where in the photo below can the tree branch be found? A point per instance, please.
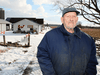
(89, 14)
(91, 20)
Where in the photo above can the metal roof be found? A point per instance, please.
(4, 22)
(16, 19)
(29, 21)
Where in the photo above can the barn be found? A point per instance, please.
(27, 26)
(4, 25)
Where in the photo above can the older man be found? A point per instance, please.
(66, 50)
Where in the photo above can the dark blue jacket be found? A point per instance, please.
(62, 53)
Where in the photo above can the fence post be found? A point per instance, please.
(4, 39)
(28, 39)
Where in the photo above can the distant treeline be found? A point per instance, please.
(80, 26)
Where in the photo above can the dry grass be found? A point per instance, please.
(92, 32)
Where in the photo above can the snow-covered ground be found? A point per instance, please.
(98, 58)
(16, 59)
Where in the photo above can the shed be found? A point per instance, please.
(26, 25)
(4, 25)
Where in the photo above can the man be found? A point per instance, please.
(66, 50)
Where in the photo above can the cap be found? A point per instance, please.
(66, 10)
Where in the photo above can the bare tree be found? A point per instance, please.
(90, 9)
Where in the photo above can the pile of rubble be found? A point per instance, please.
(16, 44)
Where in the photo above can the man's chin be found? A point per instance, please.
(71, 27)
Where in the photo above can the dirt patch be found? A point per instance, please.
(3, 51)
(28, 70)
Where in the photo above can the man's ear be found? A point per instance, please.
(62, 19)
(76, 19)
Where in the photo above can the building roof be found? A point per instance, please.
(14, 20)
(4, 21)
(27, 21)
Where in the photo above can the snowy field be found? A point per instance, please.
(16, 59)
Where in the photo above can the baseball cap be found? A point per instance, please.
(66, 10)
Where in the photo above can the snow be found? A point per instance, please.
(15, 60)
(98, 59)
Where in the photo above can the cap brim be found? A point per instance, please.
(77, 12)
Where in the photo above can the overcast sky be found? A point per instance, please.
(33, 8)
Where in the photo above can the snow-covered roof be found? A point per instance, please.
(4, 21)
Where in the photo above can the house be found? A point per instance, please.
(4, 25)
(27, 26)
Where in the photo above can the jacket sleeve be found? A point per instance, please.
(44, 58)
(91, 66)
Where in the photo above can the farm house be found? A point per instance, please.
(26, 25)
(4, 25)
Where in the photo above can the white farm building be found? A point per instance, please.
(4, 25)
(26, 25)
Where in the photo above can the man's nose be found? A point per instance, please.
(71, 18)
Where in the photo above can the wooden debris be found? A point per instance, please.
(25, 51)
(15, 44)
(9, 63)
(14, 60)
(0, 69)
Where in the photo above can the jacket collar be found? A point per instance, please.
(76, 29)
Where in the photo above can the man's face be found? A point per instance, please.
(69, 20)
